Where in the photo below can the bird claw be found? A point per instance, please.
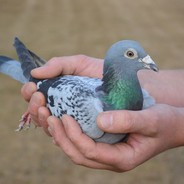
(25, 120)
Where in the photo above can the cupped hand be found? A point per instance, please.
(80, 65)
(152, 131)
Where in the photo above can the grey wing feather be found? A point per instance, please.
(38, 61)
(148, 100)
(75, 96)
(12, 68)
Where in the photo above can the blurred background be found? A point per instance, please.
(66, 27)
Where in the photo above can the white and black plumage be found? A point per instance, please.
(84, 98)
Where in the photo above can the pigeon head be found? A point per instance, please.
(120, 82)
(128, 55)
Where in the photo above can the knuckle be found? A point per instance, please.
(53, 60)
(125, 167)
(33, 111)
(128, 121)
(56, 138)
(28, 89)
(76, 160)
(74, 139)
(38, 99)
(153, 126)
(75, 157)
(35, 120)
(82, 57)
(24, 92)
(90, 154)
(123, 164)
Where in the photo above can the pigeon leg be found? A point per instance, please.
(25, 120)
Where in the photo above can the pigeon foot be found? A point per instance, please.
(25, 120)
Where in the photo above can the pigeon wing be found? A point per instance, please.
(148, 100)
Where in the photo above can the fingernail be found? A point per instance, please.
(36, 99)
(50, 130)
(37, 71)
(41, 115)
(41, 118)
(30, 90)
(54, 142)
(64, 121)
(51, 126)
(105, 120)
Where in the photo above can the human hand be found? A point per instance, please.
(152, 131)
(70, 65)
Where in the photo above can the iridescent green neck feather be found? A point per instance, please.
(124, 95)
(122, 91)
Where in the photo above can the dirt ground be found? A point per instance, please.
(66, 27)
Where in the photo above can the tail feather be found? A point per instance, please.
(20, 71)
(38, 61)
(4, 59)
(27, 62)
(12, 68)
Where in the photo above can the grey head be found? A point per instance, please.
(120, 82)
(126, 55)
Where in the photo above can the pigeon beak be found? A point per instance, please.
(149, 63)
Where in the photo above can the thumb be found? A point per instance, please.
(66, 65)
(46, 71)
(124, 121)
(56, 129)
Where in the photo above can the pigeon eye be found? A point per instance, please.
(130, 54)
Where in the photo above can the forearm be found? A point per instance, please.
(166, 86)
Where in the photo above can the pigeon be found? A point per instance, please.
(84, 98)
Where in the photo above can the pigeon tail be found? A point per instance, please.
(25, 58)
(12, 68)
(22, 50)
(20, 71)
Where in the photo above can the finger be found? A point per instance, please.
(36, 101)
(43, 114)
(28, 89)
(105, 154)
(143, 122)
(57, 66)
(70, 65)
(60, 138)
